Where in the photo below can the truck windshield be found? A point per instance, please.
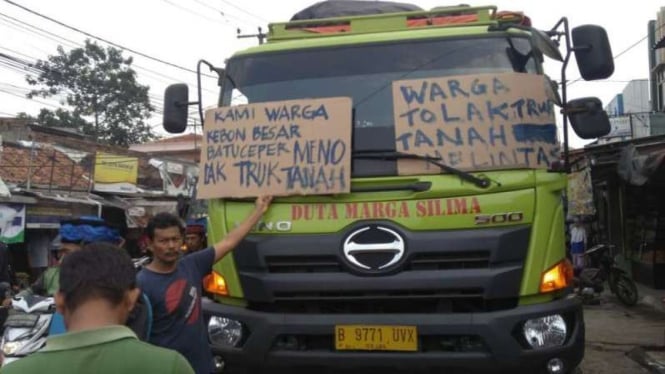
(365, 73)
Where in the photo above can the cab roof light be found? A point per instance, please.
(437, 17)
(363, 24)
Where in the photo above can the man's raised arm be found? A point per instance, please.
(231, 240)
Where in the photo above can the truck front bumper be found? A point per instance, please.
(307, 340)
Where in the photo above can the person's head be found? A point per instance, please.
(195, 237)
(165, 234)
(100, 274)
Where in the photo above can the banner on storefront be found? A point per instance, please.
(115, 173)
(12, 223)
(580, 194)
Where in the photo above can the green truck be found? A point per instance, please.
(463, 269)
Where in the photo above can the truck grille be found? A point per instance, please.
(425, 301)
(420, 261)
(456, 271)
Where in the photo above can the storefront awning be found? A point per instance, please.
(18, 199)
(637, 167)
(77, 198)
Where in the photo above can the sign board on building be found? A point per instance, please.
(619, 127)
(115, 173)
(174, 167)
(482, 121)
(136, 211)
(179, 178)
(139, 215)
(46, 217)
(296, 147)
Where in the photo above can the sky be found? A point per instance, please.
(181, 32)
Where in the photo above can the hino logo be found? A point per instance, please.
(354, 249)
(282, 226)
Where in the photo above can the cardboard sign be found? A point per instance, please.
(475, 122)
(297, 147)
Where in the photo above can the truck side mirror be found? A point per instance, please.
(592, 52)
(587, 117)
(176, 98)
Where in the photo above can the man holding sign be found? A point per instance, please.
(173, 284)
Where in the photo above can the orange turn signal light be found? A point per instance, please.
(215, 284)
(557, 277)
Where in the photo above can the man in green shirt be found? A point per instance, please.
(97, 292)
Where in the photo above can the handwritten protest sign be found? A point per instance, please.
(279, 148)
(475, 122)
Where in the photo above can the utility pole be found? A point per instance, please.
(94, 103)
(31, 158)
(50, 181)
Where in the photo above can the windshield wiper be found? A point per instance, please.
(482, 182)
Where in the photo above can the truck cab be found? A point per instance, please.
(456, 269)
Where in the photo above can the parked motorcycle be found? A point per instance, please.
(26, 327)
(603, 268)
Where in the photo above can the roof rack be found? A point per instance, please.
(437, 17)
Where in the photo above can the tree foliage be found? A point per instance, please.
(101, 88)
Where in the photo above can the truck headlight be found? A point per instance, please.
(224, 331)
(545, 332)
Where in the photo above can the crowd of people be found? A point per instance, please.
(96, 287)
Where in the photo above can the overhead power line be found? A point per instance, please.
(23, 66)
(19, 64)
(106, 40)
(228, 15)
(215, 21)
(244, 11)
(18, 24)
(26, 98)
